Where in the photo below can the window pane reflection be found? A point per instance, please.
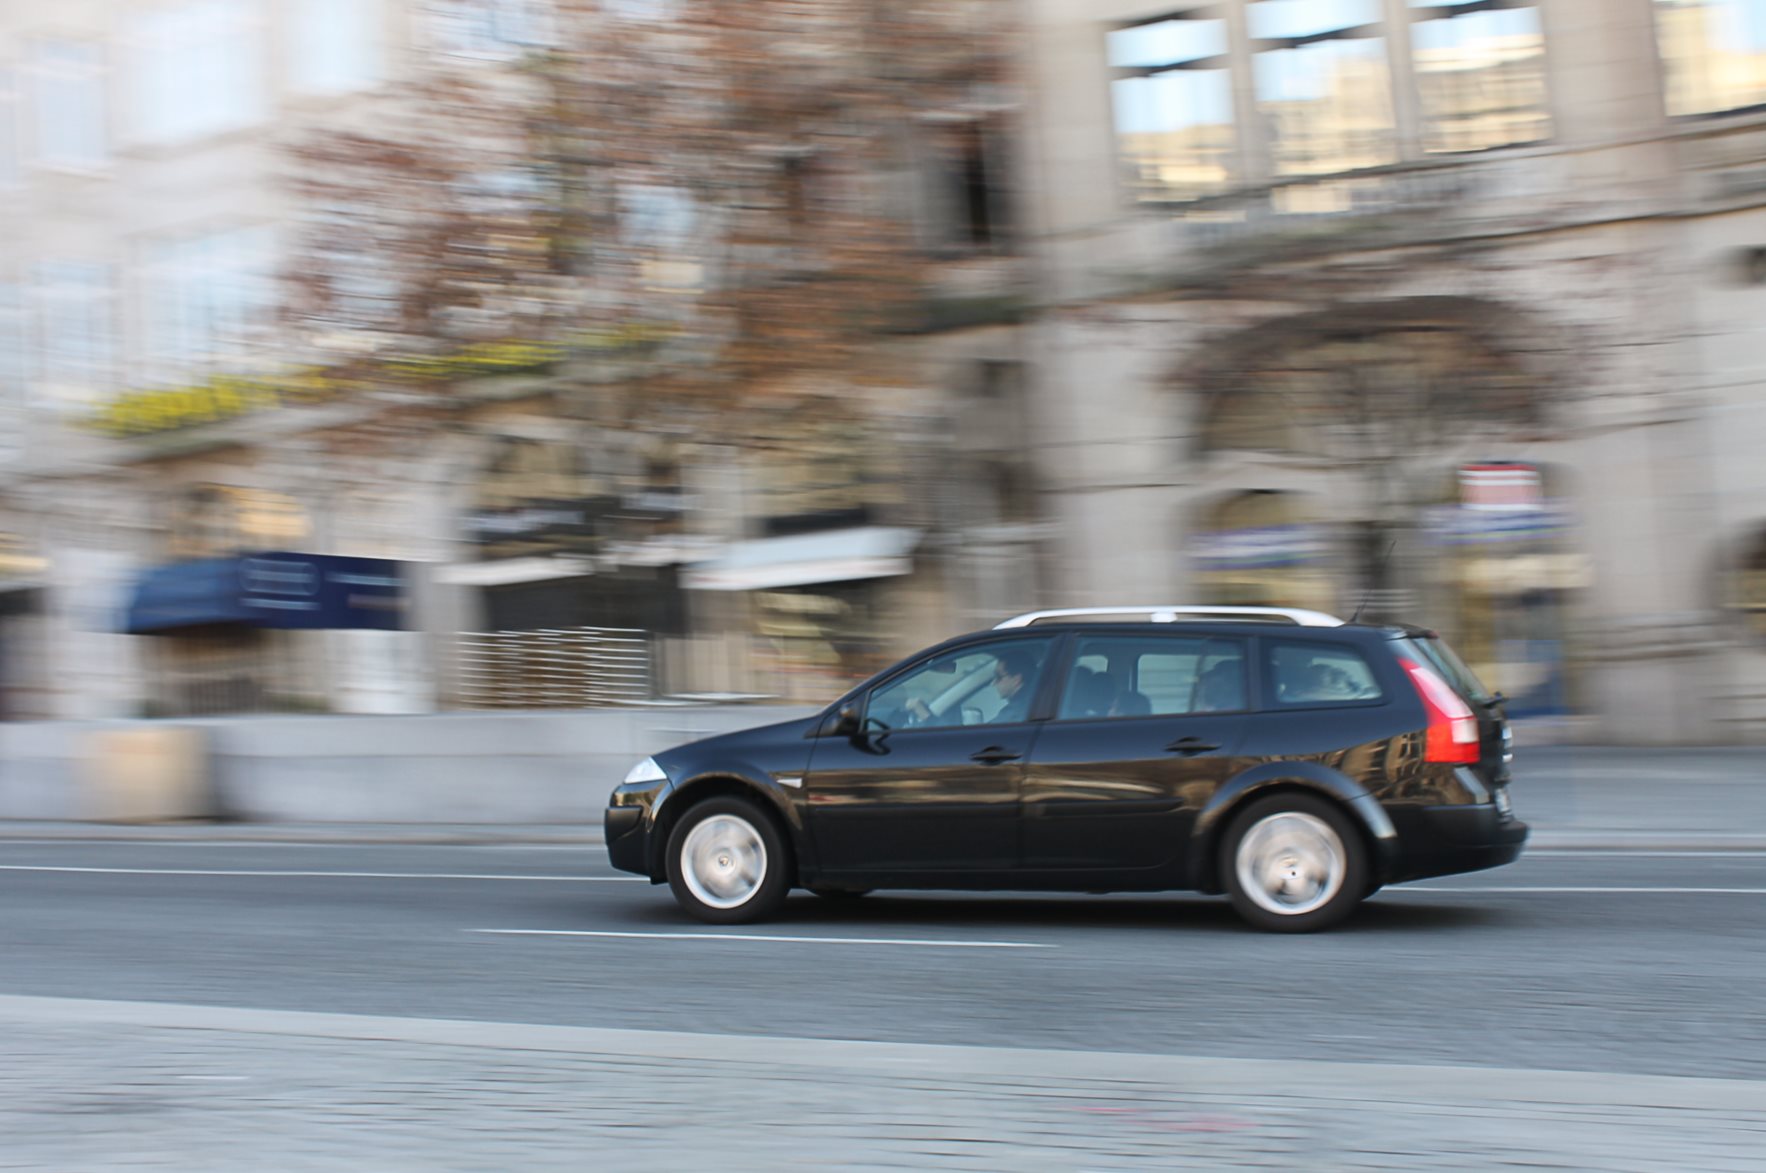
(1174, 108)
(1713, 54)
(1329, 106)
(1480, 76)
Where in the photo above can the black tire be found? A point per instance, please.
(1321, 837)
(844, 894)
(740, 857)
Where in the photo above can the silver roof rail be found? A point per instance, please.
(1171, 614)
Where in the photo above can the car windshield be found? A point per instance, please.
(1446, 661)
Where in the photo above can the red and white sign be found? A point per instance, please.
(1500, 486)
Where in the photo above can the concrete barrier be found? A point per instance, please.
(489, 768)
(39, 771)
(146, 774)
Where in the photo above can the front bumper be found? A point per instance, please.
(628, 840)
(629, 825)
(1448, 840)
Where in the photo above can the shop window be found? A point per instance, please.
(1747, 587)
(1323, 84)
(209, 521)
(14, 363)
(1176, 131)
(1713, 54)
(1262, 549)
(1480, 73)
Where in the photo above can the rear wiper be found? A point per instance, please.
(1496, 699)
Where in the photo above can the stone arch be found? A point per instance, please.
(1375, 380)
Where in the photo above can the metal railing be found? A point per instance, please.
(564, 668)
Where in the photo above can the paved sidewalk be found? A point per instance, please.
(1573, 796)
(116, 1085)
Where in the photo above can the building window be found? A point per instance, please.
(10, 156)
(13, 365)
(1323, 84)
(336, 46)
(204, 298)
(1173, 101)
(1480, 73)
(198, 70)
(967, 196)
(493, 29)
(69, 103)
(1713, 53)
(76, 322)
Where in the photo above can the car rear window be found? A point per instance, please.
(1308, 675)
(1446, 661)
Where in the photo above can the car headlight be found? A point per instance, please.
(645, 771)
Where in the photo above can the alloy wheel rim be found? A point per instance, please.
(1291, 863)
(724, 861)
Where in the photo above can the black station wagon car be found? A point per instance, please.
(1286, 758)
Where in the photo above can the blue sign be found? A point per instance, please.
(1258, 548)
(272, 589)
(1461, 525)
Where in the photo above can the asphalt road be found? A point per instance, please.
(1612, 962)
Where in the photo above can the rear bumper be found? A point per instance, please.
(1448, 840)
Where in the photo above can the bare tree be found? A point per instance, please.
(723, 186)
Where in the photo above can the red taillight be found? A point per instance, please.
(1453, 729)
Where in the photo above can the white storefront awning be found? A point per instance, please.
(845, 555)
(509, 571)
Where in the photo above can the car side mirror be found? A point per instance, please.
(847, 721)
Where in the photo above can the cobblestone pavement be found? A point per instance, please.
(91, 1085)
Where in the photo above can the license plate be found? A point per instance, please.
(1503, 806)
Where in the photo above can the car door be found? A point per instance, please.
(1146, 728)
(932, 782)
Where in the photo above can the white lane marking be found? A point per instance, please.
(21, 867)
(1589, 891)
(1620, 852)
(922, 942)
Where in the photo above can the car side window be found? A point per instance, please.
(1143, 676)
(993, 684)
(1319, 674)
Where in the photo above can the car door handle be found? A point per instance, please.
(993, 755)
(1191, 745)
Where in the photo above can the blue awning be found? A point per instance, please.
(275, 589)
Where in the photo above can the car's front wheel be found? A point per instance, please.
(1294, 864)
(727, 862)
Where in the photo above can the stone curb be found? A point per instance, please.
(1321, 1079)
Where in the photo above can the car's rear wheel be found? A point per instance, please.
(727, 862)
(1293, 864)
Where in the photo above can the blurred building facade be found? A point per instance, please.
(182, 459)
(1448, 310)
(1438, 310)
